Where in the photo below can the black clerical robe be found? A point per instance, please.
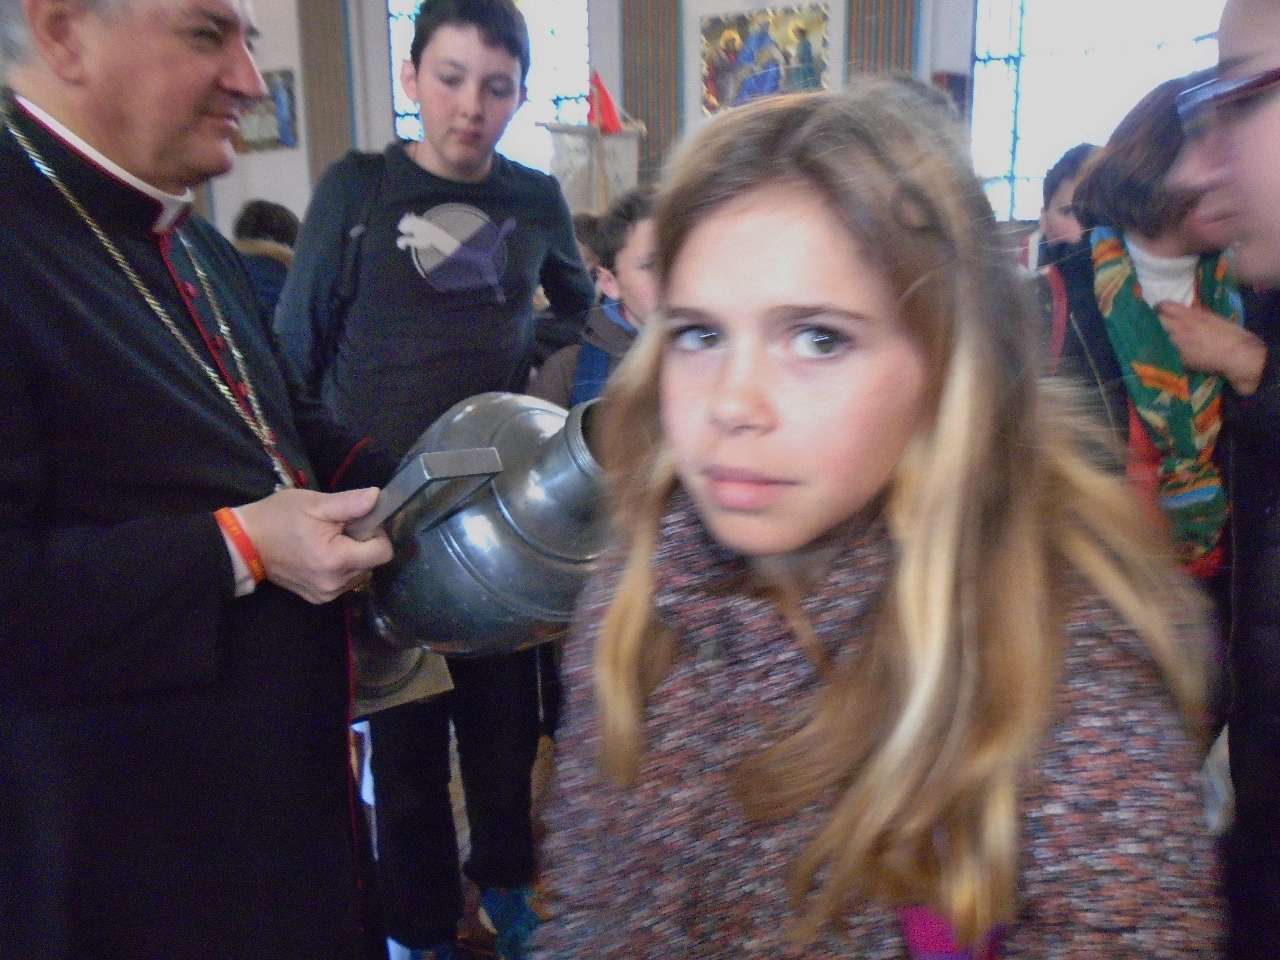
(173, 778)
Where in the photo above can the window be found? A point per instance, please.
(1048, 75)
(558, 75)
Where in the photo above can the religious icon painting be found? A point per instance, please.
(272, 121)
(758, 53)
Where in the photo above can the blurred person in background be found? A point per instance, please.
(264, 233)
(624, 271)
(1059, 226)
(1233, 157)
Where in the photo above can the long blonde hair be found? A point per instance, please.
(997, 507)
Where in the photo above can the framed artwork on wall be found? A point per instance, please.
(756, 53)
(272, 122)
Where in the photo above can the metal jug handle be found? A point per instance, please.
(478, 463)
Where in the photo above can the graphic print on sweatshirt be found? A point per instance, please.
(456, 247)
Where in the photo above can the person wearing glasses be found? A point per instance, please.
(1233, 156)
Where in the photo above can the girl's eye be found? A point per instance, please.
(693, 338)
(815, 342)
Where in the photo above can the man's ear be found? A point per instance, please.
(56, 28)
(608, 283)
(524, 96)
(409, 80)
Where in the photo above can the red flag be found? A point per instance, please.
(602, 113)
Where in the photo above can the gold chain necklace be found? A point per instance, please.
(256, 423)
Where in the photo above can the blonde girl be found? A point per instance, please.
(884, 665)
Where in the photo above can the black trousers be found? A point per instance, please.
(494, 709)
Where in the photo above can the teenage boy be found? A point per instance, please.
(624, 245)
(452, 239)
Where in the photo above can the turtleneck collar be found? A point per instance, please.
(1163, 277)
(133, 200)
(702, 588)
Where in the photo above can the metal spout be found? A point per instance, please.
(553, 500)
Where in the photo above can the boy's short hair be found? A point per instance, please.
(499, 22)
(585, 226)
(264, 220)
(614, 226)
(1068, 166)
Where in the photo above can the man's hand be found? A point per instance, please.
(298, 535)
(1212, 344)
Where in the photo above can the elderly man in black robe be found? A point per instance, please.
(173, 679)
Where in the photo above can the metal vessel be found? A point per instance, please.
(482, 563)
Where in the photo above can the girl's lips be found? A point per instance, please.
(738, 489)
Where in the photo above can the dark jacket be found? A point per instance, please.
(1087, 355)
(173, 759)
(1253, 466)
(267, 264)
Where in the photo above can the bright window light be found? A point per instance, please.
(1048, 75)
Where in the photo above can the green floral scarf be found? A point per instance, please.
(1181, 409)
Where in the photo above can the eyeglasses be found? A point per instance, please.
(1201, 107)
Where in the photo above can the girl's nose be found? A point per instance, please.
(741, 400)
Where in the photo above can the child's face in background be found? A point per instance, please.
(1058, 220)
(789, 386)
(633, 281)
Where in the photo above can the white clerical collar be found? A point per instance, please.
(172, 206)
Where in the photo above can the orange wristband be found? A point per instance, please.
(230, 525)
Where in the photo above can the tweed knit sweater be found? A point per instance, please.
(1116, 861)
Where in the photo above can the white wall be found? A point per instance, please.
(604, 24)
(280, 175)
(369, 47)
(945, 41)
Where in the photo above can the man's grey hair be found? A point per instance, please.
(15, 39)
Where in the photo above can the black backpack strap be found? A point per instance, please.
(371, 169)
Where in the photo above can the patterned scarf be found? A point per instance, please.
(1181, 409)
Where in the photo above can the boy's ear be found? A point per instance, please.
(524, 96)
(409, 80)
(608, 283)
